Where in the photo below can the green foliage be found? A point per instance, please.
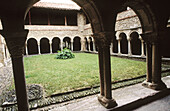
(65, 54)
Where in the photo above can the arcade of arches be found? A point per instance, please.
(102, 15)
(122, 45)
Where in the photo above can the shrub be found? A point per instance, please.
(65, 54)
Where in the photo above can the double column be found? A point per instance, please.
(103, 40)
(153, 59)
(16, 42)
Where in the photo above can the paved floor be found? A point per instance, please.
(128, 98)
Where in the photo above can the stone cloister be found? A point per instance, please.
(103, 17)
(49, 39)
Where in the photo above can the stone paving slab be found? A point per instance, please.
(122, 96)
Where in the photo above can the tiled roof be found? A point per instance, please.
(60, 6)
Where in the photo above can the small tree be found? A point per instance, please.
(65, 54)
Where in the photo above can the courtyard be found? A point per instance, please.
(58, 76)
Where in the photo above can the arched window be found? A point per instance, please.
(123, 43)
(32, 46)
(77, 44)
(55, 44)
(44, 46)
(91, 44)
(67, 43)
(135, 43)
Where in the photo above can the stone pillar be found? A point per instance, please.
(71, 43)
(50, 43)
(148, 80)
(153, 60)
(61, 44)
(157, 83)
(39, 48)
(83, 44)
(102, 40)
(142, 48)
(119, 47)
(89, 45)
(26, 49)
(16, 43)
(129, 46)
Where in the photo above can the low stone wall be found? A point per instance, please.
(6, 76)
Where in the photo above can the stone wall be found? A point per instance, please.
(5, 78)
(127, 20)
(3, 58)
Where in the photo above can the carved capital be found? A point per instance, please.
(154, 37)
(15, 42)
(103, 39)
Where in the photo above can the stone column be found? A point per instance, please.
(83, 45)
(148, 80)
(61, 44)
(50, 43)
(129, 46)
(119, 47)
(39, 48)
(153, 59)
(102, 40)
(26, 49)
(16, 43)
(89, 45)
(71, 43)
(157, 83)
(142, 48)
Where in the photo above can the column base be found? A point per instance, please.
(156, 86)
(107, 103)
(146, 84)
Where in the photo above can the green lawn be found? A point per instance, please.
(63, 75)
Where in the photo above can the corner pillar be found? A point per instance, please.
(102, 40)
(157, 83)
(16, 42)
(153, 77)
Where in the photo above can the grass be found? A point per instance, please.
(58, 76)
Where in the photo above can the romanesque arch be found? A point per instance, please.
(135, 43)
(144, 13)
(44, 46)
(67, 43)
(55, 44)
(32, 46)
(76, 44)
(123, 43)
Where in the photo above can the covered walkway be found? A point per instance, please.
(135, 97)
